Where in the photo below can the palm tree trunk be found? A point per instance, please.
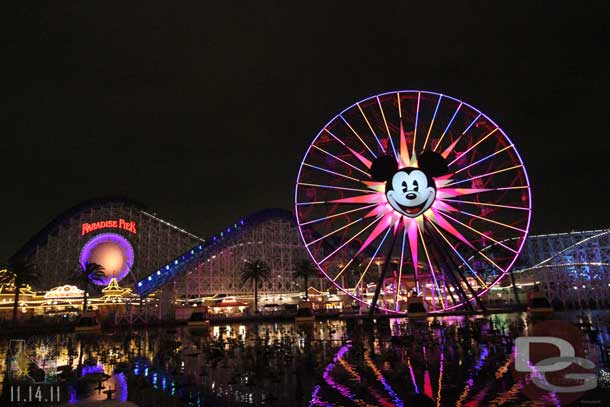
(80, 355)
(512, 280)
(85, 296)
(16, 304)
(255, 296)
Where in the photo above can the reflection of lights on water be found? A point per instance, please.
(504, 368)
(511, 395)
(604, 378)
(315, 400)
(382, 380)
(358, 379)
(87, 370)
(428, 384)
(328, 377)
(149, 346)
(72, 392)
(412, 375)
(440, 375)
(121, 387)
(470, 381)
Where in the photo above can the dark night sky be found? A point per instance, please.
(204, 111)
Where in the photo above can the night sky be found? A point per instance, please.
(203, 111)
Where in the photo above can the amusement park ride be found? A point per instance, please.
(423, 186)
(405, 201)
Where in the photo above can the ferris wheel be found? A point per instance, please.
(413, 193)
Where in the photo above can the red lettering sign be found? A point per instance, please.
(123, 224)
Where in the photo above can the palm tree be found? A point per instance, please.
(89, 272)
(255, 271)
(21, 272)
(515, 292)
(304, 270)
(355, 272)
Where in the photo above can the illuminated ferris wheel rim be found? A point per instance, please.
(440, 96)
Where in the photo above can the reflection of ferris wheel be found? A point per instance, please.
(399, 194)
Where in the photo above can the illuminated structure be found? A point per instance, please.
(114, 292)
(419, 184)
(228, 306)
(135, 245)
(113, 252)
(573, 269)
(61, 300)
(68, 293)
(215, 266)
(403, 193)
(27, 297)
(147, 240)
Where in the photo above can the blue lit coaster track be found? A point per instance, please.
(211, 246)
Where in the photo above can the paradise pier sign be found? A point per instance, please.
(123, 224)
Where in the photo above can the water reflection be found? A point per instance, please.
(452, 361)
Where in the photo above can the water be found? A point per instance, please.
(450, 361)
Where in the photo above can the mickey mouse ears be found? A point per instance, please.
(383, 168)
(432, 163)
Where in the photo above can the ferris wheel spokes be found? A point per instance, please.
(349, 200)
(385, 122)
(384, 270)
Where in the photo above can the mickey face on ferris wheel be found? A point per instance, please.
(410, 191)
